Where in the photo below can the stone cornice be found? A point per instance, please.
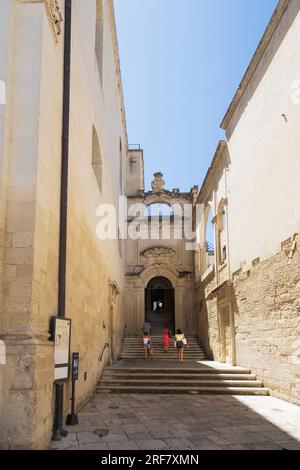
(208, 182)
(265, 41)
(23, 335)
(118, 67)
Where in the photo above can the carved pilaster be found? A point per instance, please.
(55, 16)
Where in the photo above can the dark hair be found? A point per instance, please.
(179, 332)
(146, 333)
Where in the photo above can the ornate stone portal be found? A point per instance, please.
(160, 257)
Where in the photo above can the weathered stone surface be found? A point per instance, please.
(207, 434)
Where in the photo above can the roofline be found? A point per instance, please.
(118, 67)
(255, 61)
(221, 146)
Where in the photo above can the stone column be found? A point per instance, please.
(179, 314)
(140, 311)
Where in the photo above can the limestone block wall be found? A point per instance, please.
(256, 315)
(267, 320)
(26, 419)
(32, 201)
(6, 25)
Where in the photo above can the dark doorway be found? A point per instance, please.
(159, 304)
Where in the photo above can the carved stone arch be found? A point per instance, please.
(162, 198)
(168, 272)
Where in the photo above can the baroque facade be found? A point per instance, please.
(235, 282)
(159, 253)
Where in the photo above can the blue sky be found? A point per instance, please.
(182, 61)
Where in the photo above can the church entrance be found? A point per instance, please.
(159, 304)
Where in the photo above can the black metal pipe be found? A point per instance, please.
(59, 408)
(65, 162)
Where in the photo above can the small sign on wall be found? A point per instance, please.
(61, 336)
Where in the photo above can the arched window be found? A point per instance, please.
(99, 37)
(207, 250)
(222, 232)
(97, 159)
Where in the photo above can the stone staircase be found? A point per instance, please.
(133, 349)
(231, 381)
(162, 374)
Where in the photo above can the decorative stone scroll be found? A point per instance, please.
(55, 16)
(159, 255)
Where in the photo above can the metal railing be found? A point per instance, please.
(106, 346)
(134, 147)
(210, 249)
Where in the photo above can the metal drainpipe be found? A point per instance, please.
(59, 409)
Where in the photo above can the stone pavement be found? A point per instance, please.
(184, 422)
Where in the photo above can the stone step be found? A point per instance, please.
(169, 370)
(164, 358)
(158, 340)
(162, 351)
(178, 376)
(177, 383)
(159, 345)
(189, 390)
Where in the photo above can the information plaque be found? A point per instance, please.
(61, 336)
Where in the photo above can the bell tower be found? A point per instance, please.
(135, 181)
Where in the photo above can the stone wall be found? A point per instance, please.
(248, 311)
(31, 222)
(267, 321)
(265, 304)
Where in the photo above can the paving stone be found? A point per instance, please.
(85, 437)
(178, 433)
(153, 444)
(235, 447)
(115, 437)
(203, 423)
(94, 446)
(277, 435)
(139, 436)
(68, 448)
(204, 444)
(160, 434)
(264, 446)
(218, 439)
(289, 445)
(134, 427)
(179, 444)
(124, 445)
